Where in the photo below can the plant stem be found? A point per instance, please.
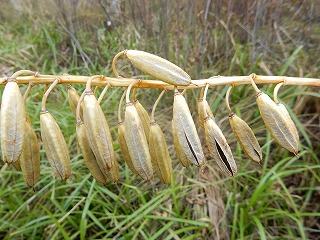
(125, 82)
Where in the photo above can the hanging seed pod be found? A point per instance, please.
(276, 121)
(160, 157)
(54, 143)
(73, 98)
(30, 157)
(137, 143)
(124, 147)
(136, 140)
(244, 134)
(13, 122)
(201, 112)
(186, 131)
(97, 130)
(286, 114)
(88, 156)
(144, 117)
(179, 150)
(219, 148)
(55, 146)
(217, 143)
(156, 67)
(246, 138)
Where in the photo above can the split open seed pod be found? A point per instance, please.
(219, 148)
(186, 131)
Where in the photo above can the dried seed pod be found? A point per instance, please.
(179, 150)
(281, 128)
(219, 148)
(124, 147)
(158, 67)
(88, 155)
(137, 143)
(160, 157)
(144, 117)
(290, 122)
(30, 157)
(246, 138)
(186, 131)
(13, 122)
(113, 174)
(55, 146)
(277, 123)
(202, 114)
(73, 98)
(286, 114)
(98, 132)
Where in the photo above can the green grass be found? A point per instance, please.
(278, 200)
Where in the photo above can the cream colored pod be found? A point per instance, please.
(98, 132)
(219, 148)
(246, 138)
(277, 123)
(160, 157)
(73, 98)
(13, 122)
(202, 114)
(186, 132)
(55, 146)
(158, 67)
(124, 147)
(87, 154)
(144, 117)
(30, 157)
(179, 150)
(137, 144)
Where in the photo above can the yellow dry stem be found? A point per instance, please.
(55, 146)
(13, 122)
(160, 157)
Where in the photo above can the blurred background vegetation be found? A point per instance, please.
(278, 200)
